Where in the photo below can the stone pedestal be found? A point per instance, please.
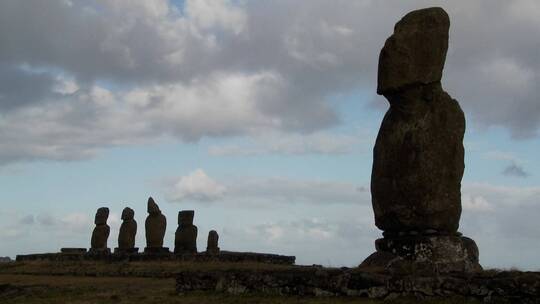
(156, 250)
(133, 250)
(433, 253)
(99, 251)
(73, 250)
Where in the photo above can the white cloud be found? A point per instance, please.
(475, 203)
(263, 192)
(208, 14)
(197, 186)
(290, 144)
(226, 68)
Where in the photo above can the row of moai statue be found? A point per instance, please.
(155, 226)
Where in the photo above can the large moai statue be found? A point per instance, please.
(185, 240)
(418, 159)
(128, 231)
(212, 244)
(101, 232)
(155, 227)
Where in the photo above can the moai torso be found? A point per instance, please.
(418, 156)
(212, 244)
(155, 226)
(185, 240)
(128, 230)
(102, 230)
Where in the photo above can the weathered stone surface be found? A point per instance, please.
(155, 225)
(102, 215)
(503, 287)
(128, 230)
(163, 254)
(73, 250)
(185, 240)
(418, 159)
(101, 231)
(418, 156)
(436, 254)
(416, 52)
(212, 244)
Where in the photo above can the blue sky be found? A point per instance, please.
(258, 116)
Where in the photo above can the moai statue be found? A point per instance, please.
(212, 245)
(185, 240)
(155, 227)
(128, 230)
(418, 156)
(101, 232)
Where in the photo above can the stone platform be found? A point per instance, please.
(223, 256)
(436, 253)
(487, 286)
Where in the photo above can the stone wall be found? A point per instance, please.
(489, 286)
(223, 256)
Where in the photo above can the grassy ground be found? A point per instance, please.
(32, 289)
(137, 282)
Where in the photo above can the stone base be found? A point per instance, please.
(184, 252)
(433, 253)
(73, 250)
(99, 252)
(126, 250)
(156, 250)
(212, 251)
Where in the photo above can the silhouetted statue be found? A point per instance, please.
(212, 244)
(101, 231)
(155, 227)
(185, 240)
(128, 231)
(418, 155)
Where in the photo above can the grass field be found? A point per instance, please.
(32, 289)
(97, 282)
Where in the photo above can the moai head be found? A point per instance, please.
(153, 208)
(416, 52)
(185, 217)
(102, 215)
(128, 214)
(213, 238)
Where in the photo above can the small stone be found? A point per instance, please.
(430, 232)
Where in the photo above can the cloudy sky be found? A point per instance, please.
(259, 115)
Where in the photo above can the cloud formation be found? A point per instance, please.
(263, 192)
(515, 170)
(78, 77)
(197, 186)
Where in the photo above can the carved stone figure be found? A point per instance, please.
(128, 231)
(185, 240)
(212, 245)
(101, 231)
(418, 156)
(155, 227)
